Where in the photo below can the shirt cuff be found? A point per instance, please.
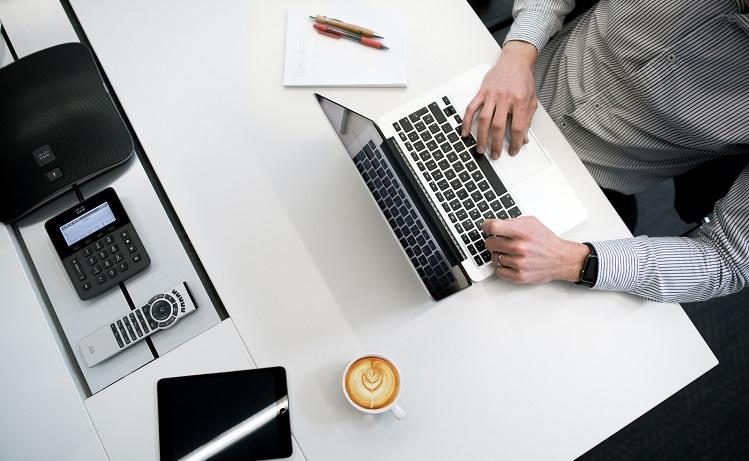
(617, 265)
(533, 27)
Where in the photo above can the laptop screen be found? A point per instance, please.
(396, 198)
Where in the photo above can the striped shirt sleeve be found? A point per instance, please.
(715, 262)
(535, 21)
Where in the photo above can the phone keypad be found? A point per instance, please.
(106, 260)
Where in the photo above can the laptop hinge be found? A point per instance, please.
(425, 204)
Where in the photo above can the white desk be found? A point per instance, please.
(311, 276)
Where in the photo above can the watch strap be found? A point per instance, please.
(589, 271)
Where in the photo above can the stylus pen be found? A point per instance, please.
(336, 33)
(238, 432)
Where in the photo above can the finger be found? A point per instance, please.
(485, 120)
(498, 130)
(506, 260)
(499, 245)
(471, 110)
(508, 273)
(525, 140)
(502, 227)
(519, 130)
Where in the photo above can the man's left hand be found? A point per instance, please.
(526, 251)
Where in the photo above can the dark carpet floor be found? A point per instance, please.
(708, 419)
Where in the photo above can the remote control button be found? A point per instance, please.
(108, 264)
(91, 260)
(98, 246)
(127, 240)
(161, 309)
(86, 286)
(114, 248)
(101, 279)
(135, 324)
(96, 269)
(167, 322)
(150, 301)
(82, 277)
(112, 273)
(102, 254)
(122, 332)
(118, 258)
(109, 240)
(142, 321)
(131, 249)
(129, 328)
(86, 252)
(123, 267)
(116, 335)
(124, 234)
(136, 258)
(147, 314)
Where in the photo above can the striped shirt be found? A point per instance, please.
(645, 90)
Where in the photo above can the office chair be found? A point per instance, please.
(697, 190)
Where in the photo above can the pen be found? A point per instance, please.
(335, 33)
(337, 23)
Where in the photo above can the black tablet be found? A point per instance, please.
(237, 415)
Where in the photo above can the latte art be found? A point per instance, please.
(372, 383)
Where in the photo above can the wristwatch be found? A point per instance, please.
(589, 271)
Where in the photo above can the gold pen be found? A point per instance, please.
(345, 26)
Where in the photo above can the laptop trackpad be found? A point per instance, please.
(526, 163)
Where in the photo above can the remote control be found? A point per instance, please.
(161, 312)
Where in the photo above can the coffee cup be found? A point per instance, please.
(372, 384)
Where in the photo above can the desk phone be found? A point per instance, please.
(97, 244)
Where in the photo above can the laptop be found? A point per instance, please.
(435, 190)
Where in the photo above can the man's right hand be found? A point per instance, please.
(508, 89)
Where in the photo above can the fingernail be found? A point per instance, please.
(480, 149)
(495, 156)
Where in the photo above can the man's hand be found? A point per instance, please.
(508, 89)
(526, 251)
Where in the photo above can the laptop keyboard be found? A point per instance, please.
(454, 171)
(427, 258)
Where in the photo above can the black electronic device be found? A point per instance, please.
(58, 127)
(237, 415)
(97, 244)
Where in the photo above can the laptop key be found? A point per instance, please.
(496, 206)
(477, 176)
(434, 128)
(458, 119)
(431, 165)
(438, 155)
(476, 196)
(502, 214)
(406, 124)
(420, 126)
(421, 166)
(484, 186)
(437, 174)
(424, 155)
(449, 174)
(455, 183)
(402, 136)
(418, 114)
(452, 136)
(471, 165)
(443, 185)
(507, 201)
(461, 214)
(397, 126)
(489, 195)
(425, 135)
(428, 119)
(455, 204)
(462, 194)
(452, 217)
(452, 157)
(418, 145)
(474, 214)
(514, 212)
(447, 128)
(449, 194)
(465, 239)
(413, 136)
(483, 206)
(439, 137)
(437, 113)
(470, 186)
(467, 204)
(432, 146)
(467, 224)
(444, 164)
(446, 147)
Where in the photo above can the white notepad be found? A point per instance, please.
(313, 59)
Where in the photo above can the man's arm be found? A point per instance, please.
(535, 21)
(671, 269)
(508, 88)
(680, 269)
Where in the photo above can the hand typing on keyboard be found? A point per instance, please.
(526, 251)
(508, 90)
